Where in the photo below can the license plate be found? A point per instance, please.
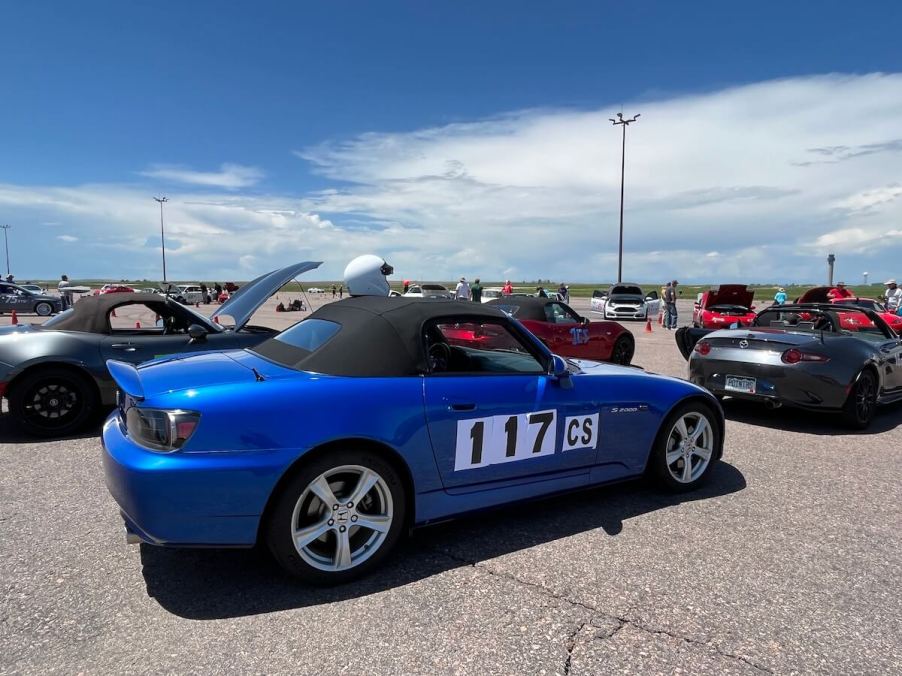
(737, 384)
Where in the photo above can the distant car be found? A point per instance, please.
(491, 294)
(33, 287)
(315, 289)
(54, 376)
(819, 295)
(25, 301)
(115, 288)
(625, 301)
(551, 295)
(723, 307)
(819, 356)
(568, 334)
(429, 291)
(190, 294)
(151, 289)
(210, 449)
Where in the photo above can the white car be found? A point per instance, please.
(315, 289)
(491, 294)
(189, 294)
(626, 301)
(428, 291)
(33, 287)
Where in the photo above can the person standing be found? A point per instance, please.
(476, 291)
(462, 291)
(839, 291)
(540, 292)
(333, 291)
(65, 294)
(507, 289)
(204, 292)
(670, 308)
(341, 291)
(564, 292)
(780, 296)
(892, 297)
(218, 289)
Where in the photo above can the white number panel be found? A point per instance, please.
(580, 431)
(509, 438)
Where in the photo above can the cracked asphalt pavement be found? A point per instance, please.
(787, 561)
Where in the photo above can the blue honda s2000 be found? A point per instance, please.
(331, 439)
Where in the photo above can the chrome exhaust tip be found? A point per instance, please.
(773, 405)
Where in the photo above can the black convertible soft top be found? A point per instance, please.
(379, 337)
(91, 314)
(523, 307)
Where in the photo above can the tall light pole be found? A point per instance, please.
(6, 242)
(624, 123)
(161, 200)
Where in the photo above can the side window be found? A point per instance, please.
(477, 346)
(414, 289)
(558, 314)
(652, 295)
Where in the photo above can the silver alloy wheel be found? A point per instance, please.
(690, 446)
(43, 309)
(342, 518)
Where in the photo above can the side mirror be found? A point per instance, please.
(197, 333)
(697, 305)
(585, 321)
(560, 372)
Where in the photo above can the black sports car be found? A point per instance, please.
(55, 377)
(817, 356)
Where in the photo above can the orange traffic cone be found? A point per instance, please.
(648, 325)
(14, 318)
(137, 325)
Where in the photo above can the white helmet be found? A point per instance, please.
(366, 276)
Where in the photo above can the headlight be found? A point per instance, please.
(160, 430)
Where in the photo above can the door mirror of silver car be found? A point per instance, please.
(198, 333)
(560, 372)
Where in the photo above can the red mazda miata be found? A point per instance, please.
(723, 307)
(819, 295)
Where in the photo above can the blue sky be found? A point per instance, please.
(452, 138)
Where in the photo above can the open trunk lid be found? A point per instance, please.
(730, 294)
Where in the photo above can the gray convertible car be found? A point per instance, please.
(815, 356)
(27, 301)
(54, 376)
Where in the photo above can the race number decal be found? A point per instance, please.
(580, 431)
(504, 438)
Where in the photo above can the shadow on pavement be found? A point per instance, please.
(788, 419)
(205, 584)
(10, 434)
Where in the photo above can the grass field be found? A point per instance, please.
(580, 290)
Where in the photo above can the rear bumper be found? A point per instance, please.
(189, 499)
(806, 387)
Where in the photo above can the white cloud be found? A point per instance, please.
(229, 176)
(749, 183)
(67, 238)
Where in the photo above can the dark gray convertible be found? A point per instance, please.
(816, 356)
(54, 375)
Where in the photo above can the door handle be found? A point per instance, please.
(462, 407)
(126, 347)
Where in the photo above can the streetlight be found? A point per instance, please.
(6, 242)
(162, 235)
(624, 124)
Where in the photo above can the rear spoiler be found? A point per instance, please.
(126, 377)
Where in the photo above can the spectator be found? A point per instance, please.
(780, 296)
(406, 286)
(540, 292)
(476, 291)
(10, 278)
(205, 294)
(333, 291)
(670, 308)
(462, 291)
(564, 292)
(507, 289)
(65, 294)
(839, 291)
(218, 289)
(341, 291)
(892, 296)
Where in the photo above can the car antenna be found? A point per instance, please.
(257, 375)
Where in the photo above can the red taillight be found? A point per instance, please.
(794, 356)
(703, 347)
(184, 429)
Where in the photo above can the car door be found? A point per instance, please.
(494, 415)
(652, 304)
(575, 338)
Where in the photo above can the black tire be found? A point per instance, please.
(43, 309)
(623, 351)
(52, 401)
(861, 405)
(278, 532)
(658, 466)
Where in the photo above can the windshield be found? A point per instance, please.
(849, 323)
(626, 291)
